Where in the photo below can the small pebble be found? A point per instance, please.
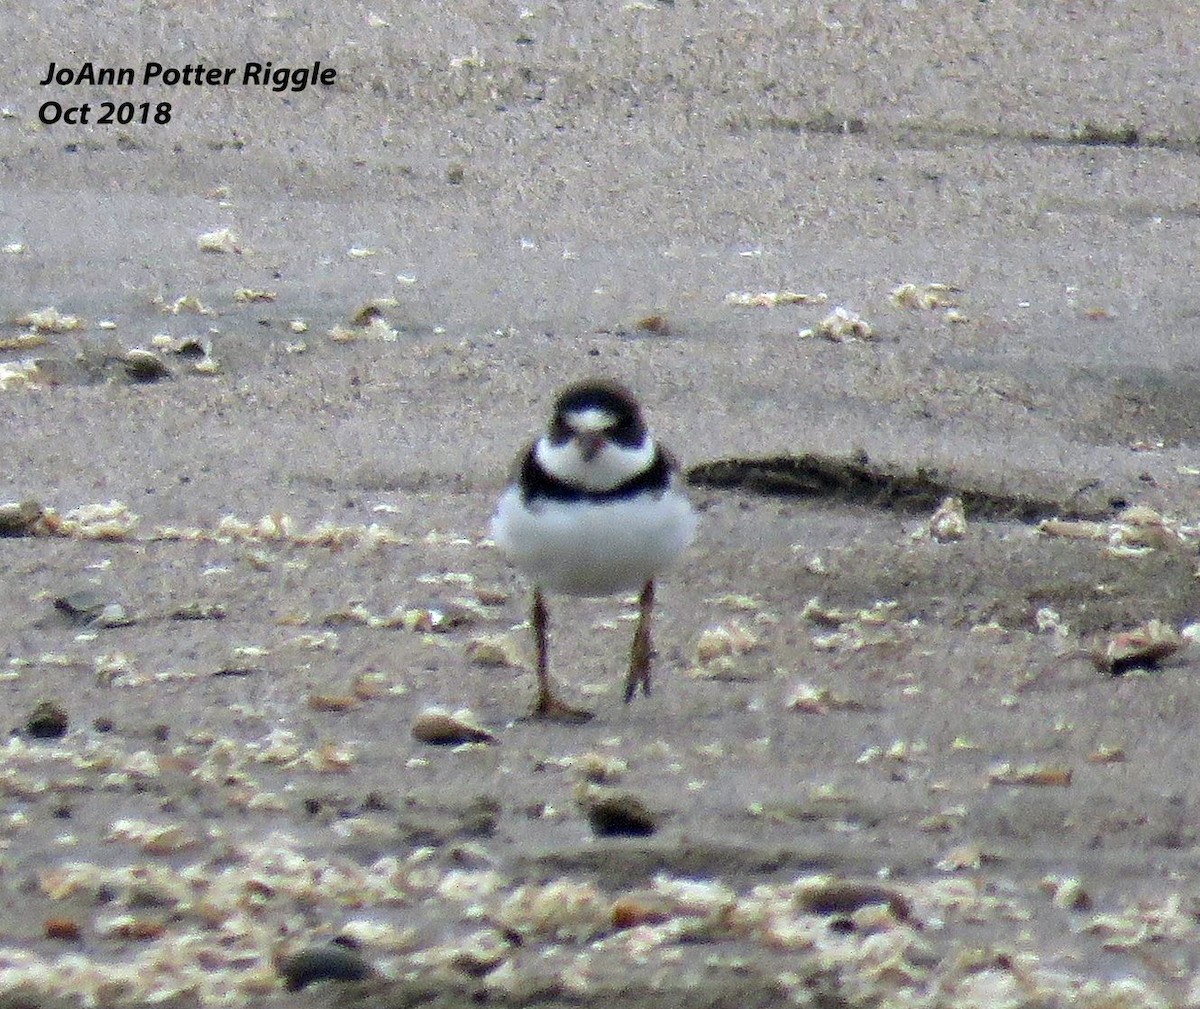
(842, 896)
(63, 929)
(331, 962)
(48, 720)
(112, 615)
(444, 728)
(656, 325)
(144, 365)
(618, 814)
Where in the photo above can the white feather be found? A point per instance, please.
(594, 548)
(592, 419)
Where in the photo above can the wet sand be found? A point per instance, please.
(523, 190)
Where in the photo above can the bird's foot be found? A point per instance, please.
(638, 676)
(554, 709)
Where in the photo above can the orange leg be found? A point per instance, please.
(547, 704)
(641, 651)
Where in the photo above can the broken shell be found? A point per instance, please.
(482, 954)
(965, 856)
(728, 639)
(725, 669)
(49, 320)
(949, 522)
(444, 728)
(220, 241)
(1141, 515)
(1107, 755)
(82, 607)
(18, 518)
(383, 936)
(194, 348)
(198, 610)
(1142, 527)
(740, 602)
(112, 615)
(825, 616)
(1031, 774)
(842, 896)
(489, 595)
(656, 325)
(15, 374)
(643, 907)
(1073, 529)
(434, 825)
(63, 929)
(494, 651)
(599, 768)
(1142, 648)
(563, 908)
(430, 619)
(152, 838)
(926, 296)
(143, 365)
(23, 341)
(808, 698)
(112, 521)
(333, 702)
(840, 326)
(369, 686)
(814, 700)
(185, 303)
(329, 758)
(1049, 619)
(191, 347)
(132, 927)
(1117, 931)
(373, 311)
(772, 299)
(1067, 894)
(248, 294)
(380, 330)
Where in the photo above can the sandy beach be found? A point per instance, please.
(886, 762)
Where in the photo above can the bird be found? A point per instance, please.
(593, 507)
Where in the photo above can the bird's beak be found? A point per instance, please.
(590, 445)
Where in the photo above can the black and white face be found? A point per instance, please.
(597, 438)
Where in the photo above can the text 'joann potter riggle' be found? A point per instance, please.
(193, 75)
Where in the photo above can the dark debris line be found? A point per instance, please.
(859, 481)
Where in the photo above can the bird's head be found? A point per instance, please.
(597, 438)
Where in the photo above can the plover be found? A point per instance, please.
(593, 508)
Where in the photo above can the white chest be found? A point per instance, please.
(594, 549)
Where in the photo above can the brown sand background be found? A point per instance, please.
(532, 181)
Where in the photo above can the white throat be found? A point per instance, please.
(612, 466)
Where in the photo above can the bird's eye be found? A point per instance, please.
(626, 431)
(561, 431)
